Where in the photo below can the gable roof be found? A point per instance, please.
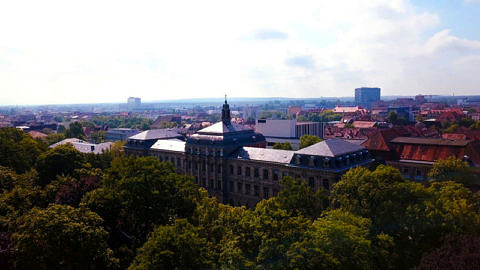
(330, 148)
(264, 154)
(222, 128)
(169, 145)
(156, 134)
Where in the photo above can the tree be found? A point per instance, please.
(54, 138)
(62, 237)
(283, 146)
(307, 140)
(75, 131)
(297, 198)
(18, 150)
(453, 169)
(97, 136)
(417, 217)
(63, 159)
(341, 240)
(460, 252)
(137, 194)
(174, 247)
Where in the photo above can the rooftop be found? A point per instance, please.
(264, 154)
(430, 141)
(156, 134)
(169, 145)
(330, 148)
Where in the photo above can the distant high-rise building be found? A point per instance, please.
(364, 96)
(134, 102)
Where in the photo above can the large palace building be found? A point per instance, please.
(232, 163)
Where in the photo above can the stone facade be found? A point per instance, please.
(234, 166)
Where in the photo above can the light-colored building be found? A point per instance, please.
(85, 147)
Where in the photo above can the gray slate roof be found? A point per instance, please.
(264, 154)
(330, 148)
(221, 128)
(169, 145)
(156, 134)
(85, 147)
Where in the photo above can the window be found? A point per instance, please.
(255, 172)
(311, 183)
(178, 162)
(247, 189)
(326, 184)
(284, 174)
(219, 169)
(189, 165)
(210, 167)
(231, 169)
(405, 170)
(256, 191)
(239, 170)
(265, 174)
(265, 193)
(231, 186)
(239, 187)
(247, 171)
(219, 184)
(418, 172)
(275, 175)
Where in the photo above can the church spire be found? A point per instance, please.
(226, 112)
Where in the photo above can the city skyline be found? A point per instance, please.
(64, 52)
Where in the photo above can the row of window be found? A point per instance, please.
(255, 192)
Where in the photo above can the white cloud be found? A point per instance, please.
(105, 51)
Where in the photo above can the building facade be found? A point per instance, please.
(364, 96)
(233, 165)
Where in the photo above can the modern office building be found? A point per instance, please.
(281, 131)
(364, 96)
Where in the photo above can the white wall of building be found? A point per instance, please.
(276, 128)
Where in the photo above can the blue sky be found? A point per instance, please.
(60, 51)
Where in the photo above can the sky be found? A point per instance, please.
(54, 52)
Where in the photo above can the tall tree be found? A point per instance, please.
(63, 159)
(307, 140)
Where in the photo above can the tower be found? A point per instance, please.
(226, 113)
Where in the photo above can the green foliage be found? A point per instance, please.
(416, 216)
(54, 138)
(393, 118)
(18, 150)
(122, 122)
(476, 125)
(274, 115)
(63, 159)
(62, 237)
(453, 169)
(340, 240)
(307, 140)
(324, 116)
(139, 193)
(297, 198)
(75, 131)
(97, 136)
(179, 246)
(283, 146)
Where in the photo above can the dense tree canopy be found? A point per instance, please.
(62, 209)
(62, 237)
